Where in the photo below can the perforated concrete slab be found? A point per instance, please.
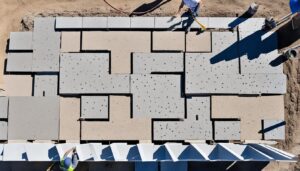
(168, 41)
(120, 125)
(151, 99)
(3, 107)
(19, 62)
(87, 73)
(120, 57)
(142, 22)
(45, 85)
(94, 22)
(198, 42)
(3, 130)
(146, 63)
(94, 107)
(17, 85)
(37, 118)
(68, 23)
(197, 125)
(274, 129)
(20, 41)
(70, 41)
(168, 22)
(227, 130)
(46, 46)
(118, 22)
(69, 119)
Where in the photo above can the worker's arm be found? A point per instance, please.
(68, 152)
(180, 8)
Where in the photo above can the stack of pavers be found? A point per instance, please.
(122, 78)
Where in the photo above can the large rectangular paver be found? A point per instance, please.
(146, 63)
(94, 22)
(20, 41)
(17, 85)
(112, 41)
(142, 22)
(69, 119)
(70, 41)
(3, 107)
(33, 118)
(46, 46)
(118, 22)
(19, 62)
(168, 22)
(198, 42)
(227, 130)
(151, 99)
(221, 22)
(94, 107)
(45, 85)
(197, 125)
(88, 73)
(168, 41)
(68, 23)
(3, 130)
(275, 129)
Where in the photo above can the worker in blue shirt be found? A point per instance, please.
(193, 6)
(69, 161)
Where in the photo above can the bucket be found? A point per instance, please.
(292, 53)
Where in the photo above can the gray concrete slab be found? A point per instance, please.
(46, 46)
(227, 130)
(88, 73)
(146, 63)
(168, 23)
(197, 125)
(33, 118)
(20, 41)
(3, 130)
(118, 22)
(68, 23)
(19, 62)
(94, 107)
(252, 24)
(275, 129)
(45, 85)
(203, 20)
(3, 107)
(94, 22)
(220, 22)
(150, 98)
(142, 22)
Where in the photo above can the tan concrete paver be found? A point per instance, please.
(120, 126)
(16, 85)
(70, 41)
(167, 40)
(251, 110)
(120, 43)
(69, 119)
(198, 42)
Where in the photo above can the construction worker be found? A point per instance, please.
(70, 160)
(193, 6)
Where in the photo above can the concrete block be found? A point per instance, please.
(17, 85)
(94, 107)
(69, 119)
(118, 22)
(94, 22)
(68, 23)
(197, 125)
(41, 152)
(120, 57)
(168, 23)
(252, 24)
(70, 41)
(146, 63)
(88, 74)
(275, 129)
(3, 130)
(150, 98)
(37, 118)
(227, 130)
(198, 42)
(3, 107)
(45, 85)
(46, 46)
(19, 62)
(1, 152)
(203, 20)
(142, 22)
(14, 152)
(20, 41)
(168, 41)
(220, 22)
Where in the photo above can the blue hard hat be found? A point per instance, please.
(67, 162)
(295, 5)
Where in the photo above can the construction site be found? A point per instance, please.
(153, 85)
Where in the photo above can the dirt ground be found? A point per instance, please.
(14, 13)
